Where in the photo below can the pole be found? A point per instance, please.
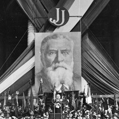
(62, 89)
(54, 94)
(54, 110)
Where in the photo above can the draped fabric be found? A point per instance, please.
(16, 75)
(24, 57)
(35, 12)
(22, 83)
(24, 102)
(98, 68)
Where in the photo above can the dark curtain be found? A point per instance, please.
(98, 68)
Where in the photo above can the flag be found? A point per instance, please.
(81, 102)
(31, 98)
(73, 100)
(62, 88)
(17, 93)
(40, 92)
(54, 93)
(107, 101)
(8, 99)
(114, 100)
(17, 103)
(23, 102)
(88, 97)
(31, 101)
(5, 99)
(116, 103)
(12, 100)
(28, 103)
(97, 104)
(114, 107)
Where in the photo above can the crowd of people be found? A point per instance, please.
(61, 107)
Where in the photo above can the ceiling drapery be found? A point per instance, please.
(98, 68)
(35, 11)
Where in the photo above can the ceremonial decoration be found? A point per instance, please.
(67, 105)
(58, 16)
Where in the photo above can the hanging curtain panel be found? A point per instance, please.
(35, 11)
(97, 63)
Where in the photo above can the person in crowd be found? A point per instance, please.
(58, 104)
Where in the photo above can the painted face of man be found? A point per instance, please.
(57, 58)
(58, 51)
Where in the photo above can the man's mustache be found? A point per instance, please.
(60, 65)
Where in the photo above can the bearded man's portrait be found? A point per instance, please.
(57, 61)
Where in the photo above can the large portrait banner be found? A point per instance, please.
(58, 61)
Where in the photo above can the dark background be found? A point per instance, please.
(13, 33)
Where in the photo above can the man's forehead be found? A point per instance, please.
(59, 43)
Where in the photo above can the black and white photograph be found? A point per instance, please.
(59, 59)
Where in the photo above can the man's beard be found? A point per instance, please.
(59, 74)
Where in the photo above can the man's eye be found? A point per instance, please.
(51, 53)
(65, 52)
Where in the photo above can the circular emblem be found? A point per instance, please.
(58, 16)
